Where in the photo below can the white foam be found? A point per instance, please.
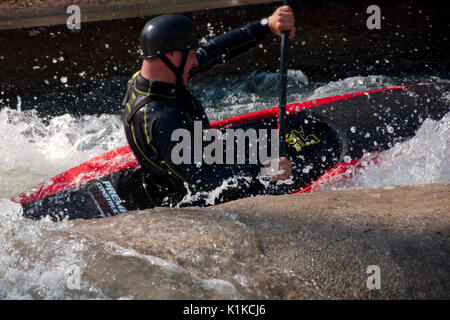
(34, 149)
(423, 159)
(352, 84)
(32, 265)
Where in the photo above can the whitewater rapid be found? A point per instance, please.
(34, 148)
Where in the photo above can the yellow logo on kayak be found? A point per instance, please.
(299, 140)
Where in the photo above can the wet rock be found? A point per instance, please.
(332, 238)
(302, 246)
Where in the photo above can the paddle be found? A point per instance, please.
(283, 84)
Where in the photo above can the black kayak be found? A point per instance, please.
(321, 135)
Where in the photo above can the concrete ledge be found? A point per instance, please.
(27, 13)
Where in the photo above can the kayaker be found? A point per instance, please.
(157, 101)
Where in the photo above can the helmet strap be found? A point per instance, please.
(177, 71)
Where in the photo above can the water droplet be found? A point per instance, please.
(306, 169)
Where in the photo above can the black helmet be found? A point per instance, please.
(167, 33)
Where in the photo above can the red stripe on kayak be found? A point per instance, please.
(345, 170)
(123, 158)
(95, 168)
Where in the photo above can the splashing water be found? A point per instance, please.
(33, 266)
(424, 159)
(34, 149)
(41, 260)
(36, 256)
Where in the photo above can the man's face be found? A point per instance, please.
(191, 62)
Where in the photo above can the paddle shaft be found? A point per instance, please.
(283, 85)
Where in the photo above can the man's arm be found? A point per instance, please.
(228, 46)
